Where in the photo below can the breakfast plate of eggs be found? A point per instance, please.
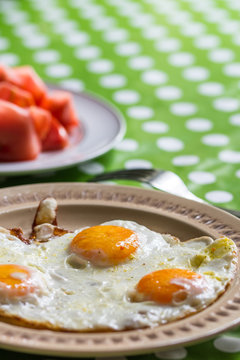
(100, 270)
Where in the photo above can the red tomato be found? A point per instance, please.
(18, 138)
(25, 78)
(29, 80)
(42, 120)
(57, 138)
(15, 95)
(60, 104)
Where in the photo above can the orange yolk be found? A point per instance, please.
(167, 285)
(105, 245)
(15, 281)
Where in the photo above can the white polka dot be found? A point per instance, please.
(91, 12)
(215, 16)
(154, 77)
(58, 70)
(9, 59)
(87, 52)
(115, 35)
(211, 89)
(226, 104)
(168, 45)
(235, 119)
(221, 55)
(202, 177)
(36, 41)
(199, 124)
(196, 73)
(238, 174)
(234, 5)
(54, 15)
(227, 344)
(229, 156)
(138, 164)
(193, 29)
(113, 81)
(103, 23)
(127, 145)
(155, 127)
(141, 20)
(179, 17)
(154, 32)
(126, 97)
(76, 38)
(92, 168)
(128, 49)
(15, 17)
(100, 66)
(24, 30)
(181, 59)
(170, 144)
(205, 42)
(229, 27)
(65, 26)
(73, 84)
(8, 6)
(140, 63)
(185, 160)
(202, 7)
(4, 43)
(236, 39)
(215, 140)
(183, 109)
(219, 196)
(168, 93)
(232, 70)
(140, 112)
(46, 56)
(177, 354)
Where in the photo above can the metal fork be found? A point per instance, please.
(163, 180)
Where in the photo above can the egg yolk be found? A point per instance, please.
(105, 245)
(15, 281)
(170, 286)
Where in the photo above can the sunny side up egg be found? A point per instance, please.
(118, 275)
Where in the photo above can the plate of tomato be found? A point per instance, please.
(44, 127)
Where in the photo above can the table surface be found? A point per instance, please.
(171, 67)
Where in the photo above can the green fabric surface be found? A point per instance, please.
(172, 67)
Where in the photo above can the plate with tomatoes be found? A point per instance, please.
(44, 127)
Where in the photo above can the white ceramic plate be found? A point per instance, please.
(102, 126)
(84, 204)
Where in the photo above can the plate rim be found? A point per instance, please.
(218, 317)
(103, 102)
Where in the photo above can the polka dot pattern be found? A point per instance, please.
(183, 109)
(170, 144)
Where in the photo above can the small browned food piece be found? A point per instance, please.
(46, 212)
(45, 231)
(45, 221)
(19, 234)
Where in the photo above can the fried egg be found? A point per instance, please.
(118, 275)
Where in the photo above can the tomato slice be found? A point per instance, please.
(25, 78)
(42, 120)
(60, 104)
(15, 95)
(18, 138)
(57, 137)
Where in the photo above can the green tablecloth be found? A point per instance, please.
(172, 67)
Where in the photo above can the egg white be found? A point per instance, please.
(79, 296)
